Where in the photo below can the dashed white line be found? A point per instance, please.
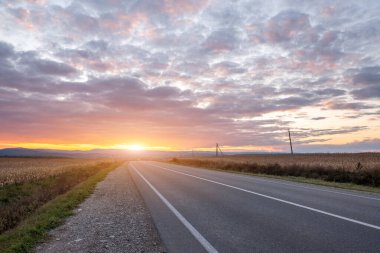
(274, 198)
(206, 245)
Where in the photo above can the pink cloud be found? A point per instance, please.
(180, 7)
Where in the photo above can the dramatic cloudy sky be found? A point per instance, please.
(185, 74)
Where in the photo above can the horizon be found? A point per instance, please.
(194, 153)
(183, 75)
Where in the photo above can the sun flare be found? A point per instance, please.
(135, 147)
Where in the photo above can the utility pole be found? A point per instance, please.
(290, 142)
(218, 150)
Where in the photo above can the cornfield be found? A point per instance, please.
(28, 183)
(21, 170)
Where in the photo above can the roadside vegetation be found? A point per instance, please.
(353, 169)
(16, 170)
(31, 204)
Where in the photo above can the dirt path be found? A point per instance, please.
(113, 219)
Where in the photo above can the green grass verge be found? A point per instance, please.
(348, 186)
(34, 229)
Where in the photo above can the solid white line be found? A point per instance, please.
(313, 188)
(273, 198)
(208, 247)
(305, 187)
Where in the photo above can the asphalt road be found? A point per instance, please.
(199, 210)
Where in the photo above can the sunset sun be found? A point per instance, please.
(135, 147)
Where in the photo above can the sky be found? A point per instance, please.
(186, 74)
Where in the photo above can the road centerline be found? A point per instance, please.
(276, 199)
(203, 241)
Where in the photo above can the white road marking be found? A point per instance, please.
(305, 187)
(313, 188)
(277, 199)
(208, 247)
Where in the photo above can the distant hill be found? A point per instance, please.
(95, 153)
(107, 153)
(25, 152)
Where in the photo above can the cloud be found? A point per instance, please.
(179, 7)
(97, 45)
(372, 91)
(318, 118)
(331, 92)
(342, 105)
(368, 82)
(367, 76)
(369, 145)
(228, 68)
(309, 132)
(188, 72)
(221, 40)
(286, 26)
(6, 50)
(49, 67)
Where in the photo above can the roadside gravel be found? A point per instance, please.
(113, 219)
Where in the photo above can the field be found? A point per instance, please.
(21, 170)
(360, 168)
(28, 183)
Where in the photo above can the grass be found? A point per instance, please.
(357, 178)
(34, 228)
(19, 200)
(346, 161)
(348, 186)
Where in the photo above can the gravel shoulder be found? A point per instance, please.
(113, 219)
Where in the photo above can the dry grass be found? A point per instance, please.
(29, 183)
(34, 228)
(361, 169)
(21, 170)
(345, 161)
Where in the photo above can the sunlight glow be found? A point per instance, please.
(135, 147)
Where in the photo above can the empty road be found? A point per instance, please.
(199, 210)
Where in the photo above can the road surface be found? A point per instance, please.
(199, 210)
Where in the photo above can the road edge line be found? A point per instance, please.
(206, 245)
(304, 185)
(277, 199)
